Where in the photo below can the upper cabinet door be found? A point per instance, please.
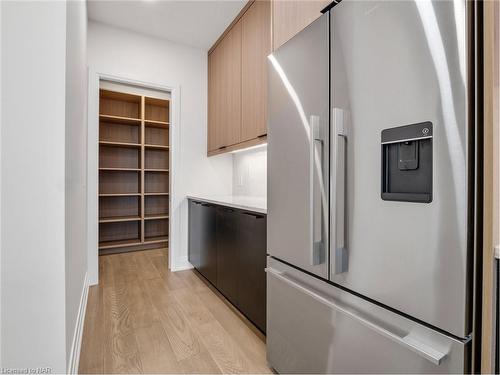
(212, 143)
(256, 45)
(224, 91)
(229, 87)
(290, 17)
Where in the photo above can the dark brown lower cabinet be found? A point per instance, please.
(228, 247)
(202, 244)
(252, 264)
(228, 252)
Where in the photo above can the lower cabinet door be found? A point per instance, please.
(252, 264)
(227, 252)
(194, 249)
(208, 244)
(228, 247)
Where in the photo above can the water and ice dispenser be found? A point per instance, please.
(407, 163)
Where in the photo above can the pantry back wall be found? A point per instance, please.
(128, 55)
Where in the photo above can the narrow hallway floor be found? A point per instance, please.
(142, 318)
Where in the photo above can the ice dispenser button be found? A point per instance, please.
(407, 163)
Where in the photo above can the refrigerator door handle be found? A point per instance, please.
(316, 190)
(337, 213)
(411, 343)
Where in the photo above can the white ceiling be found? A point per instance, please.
(194, 23)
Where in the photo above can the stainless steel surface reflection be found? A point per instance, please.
(362, 280)
(396, 63)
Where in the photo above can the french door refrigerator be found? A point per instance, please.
(369, 266)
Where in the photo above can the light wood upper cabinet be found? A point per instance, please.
(237, 81)
(213, 142)
(290, 17)
(230, 89)
(224, 91)
(256, 45)
(237, 70)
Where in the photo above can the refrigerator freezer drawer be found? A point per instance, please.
(314, 327)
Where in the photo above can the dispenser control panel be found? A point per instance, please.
(407, 163)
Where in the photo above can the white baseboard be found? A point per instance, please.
(181, 265)
(76, 345)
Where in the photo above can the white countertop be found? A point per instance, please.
(254, 204)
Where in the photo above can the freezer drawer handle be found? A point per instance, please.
(424, 350)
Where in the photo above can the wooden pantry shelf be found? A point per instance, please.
(157, 124)
(120, 195)
(118, 243)
(156, 170)
(152, 194)
(121, 169)
(120, 120)
(156, 239)
(158, 147)
(119, 144)
(118, 219)
(155, 217)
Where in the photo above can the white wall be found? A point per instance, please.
(43, 174)
(116, 52)
(32, 185)
(250, 173)
(76, 164)
(0, 183)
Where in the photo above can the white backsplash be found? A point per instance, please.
(250, 173)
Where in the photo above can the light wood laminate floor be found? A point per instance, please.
(142, 318)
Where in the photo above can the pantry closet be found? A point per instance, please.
(134, 168)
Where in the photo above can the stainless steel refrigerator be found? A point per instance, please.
(369, 206)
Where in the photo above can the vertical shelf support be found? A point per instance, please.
(143, 158)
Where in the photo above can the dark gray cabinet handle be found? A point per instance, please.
(257, 216)
(202, 204)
